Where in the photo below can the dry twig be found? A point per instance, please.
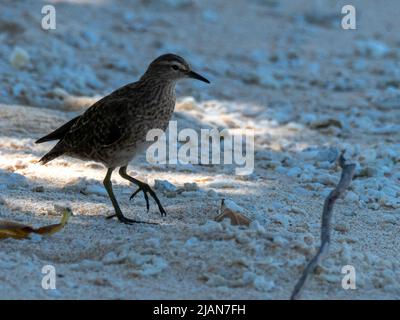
(345, 180)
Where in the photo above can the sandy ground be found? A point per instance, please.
(283, 68)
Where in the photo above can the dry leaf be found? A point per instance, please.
(10, 229)
(231, 210)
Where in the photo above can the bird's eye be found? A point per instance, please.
(175, 67)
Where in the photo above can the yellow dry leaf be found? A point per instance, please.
(10, 229)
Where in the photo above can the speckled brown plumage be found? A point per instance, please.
(113, 130)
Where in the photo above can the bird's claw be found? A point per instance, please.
(146, 197)
(126, 220)
(145, 188)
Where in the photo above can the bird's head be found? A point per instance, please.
(172, 67)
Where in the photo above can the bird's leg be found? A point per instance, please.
(145, 188)
(118, 213)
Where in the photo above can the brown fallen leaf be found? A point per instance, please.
(231, 210)
(10, 229)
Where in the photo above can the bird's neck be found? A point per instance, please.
(158, 84)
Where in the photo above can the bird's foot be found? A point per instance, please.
(145, 188)
(126, 220)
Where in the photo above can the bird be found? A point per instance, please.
(113, 130)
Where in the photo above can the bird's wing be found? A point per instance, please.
(79, 121)
(59, 133)
(114, 98)
(101, 125)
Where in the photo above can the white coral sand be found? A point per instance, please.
(307, 88)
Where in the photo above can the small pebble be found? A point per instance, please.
(190, 186)
(164, 186)
(19, 58)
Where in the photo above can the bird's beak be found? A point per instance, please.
(194, 75)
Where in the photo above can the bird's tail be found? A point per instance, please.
(51, 155)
